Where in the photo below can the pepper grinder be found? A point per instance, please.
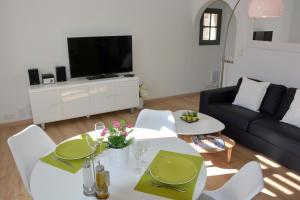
(102, 182)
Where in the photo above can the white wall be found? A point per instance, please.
(280, 26)
(278, 63)
(33, 34)
(295, 27)
(286, 29)
(167, 56)
(209, 57)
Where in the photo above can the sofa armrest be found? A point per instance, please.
(220, 95)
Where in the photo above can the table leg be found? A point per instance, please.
(43, 126)
(229, 152)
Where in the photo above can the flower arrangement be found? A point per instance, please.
(116, 133)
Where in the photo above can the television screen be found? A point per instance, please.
(90, 56)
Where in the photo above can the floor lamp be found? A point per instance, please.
(257, 9)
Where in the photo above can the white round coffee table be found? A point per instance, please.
(205, 125)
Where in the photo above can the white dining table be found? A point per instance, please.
(50, 183)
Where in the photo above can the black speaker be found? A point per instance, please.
(61, 74)
(34, 78)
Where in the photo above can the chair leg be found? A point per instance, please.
(229, 153)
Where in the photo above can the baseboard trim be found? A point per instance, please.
(17, 123)
(171, 97)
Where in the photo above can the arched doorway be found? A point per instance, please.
(210, 56)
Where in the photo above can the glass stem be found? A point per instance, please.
(93, 166)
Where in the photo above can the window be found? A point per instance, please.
(210, 27)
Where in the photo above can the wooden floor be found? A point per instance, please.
(280, 183)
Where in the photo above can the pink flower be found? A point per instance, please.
(103, 132)
(116, 124)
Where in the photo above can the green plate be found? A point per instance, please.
(74, 149)
(173, 170)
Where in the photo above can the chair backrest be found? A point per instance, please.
(160, 120)
(27, 147)
(245, 184)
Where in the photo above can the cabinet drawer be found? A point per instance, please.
(75, 102)
(102, 97)
(46, 106)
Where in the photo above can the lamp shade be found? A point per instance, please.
(265, 8)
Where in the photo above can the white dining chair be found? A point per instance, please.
(244, 185)
(27, 147)
(159, 120)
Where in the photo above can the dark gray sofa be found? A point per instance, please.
(261, 131)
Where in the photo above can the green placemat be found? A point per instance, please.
(71, 166)
(145, 183)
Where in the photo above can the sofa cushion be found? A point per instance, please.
(238, 85)
(272, 99)
(286, 101)
(277, 133)
(251, 94)
(292, 116)
(234, 115)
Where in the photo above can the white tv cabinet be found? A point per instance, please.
(81, 97)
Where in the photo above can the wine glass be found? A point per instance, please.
(99, 127)
(90, 142)
(139, 148)
(144, 149)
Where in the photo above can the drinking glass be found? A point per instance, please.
(139, 148)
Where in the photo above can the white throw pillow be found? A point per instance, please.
(293, 114)
(251, 94)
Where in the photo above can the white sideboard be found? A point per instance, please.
(81, 97)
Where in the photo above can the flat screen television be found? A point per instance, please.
(92, 56)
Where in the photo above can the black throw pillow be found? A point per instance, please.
(286, 102)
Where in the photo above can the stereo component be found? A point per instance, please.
(34, 78)
(61, 74)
